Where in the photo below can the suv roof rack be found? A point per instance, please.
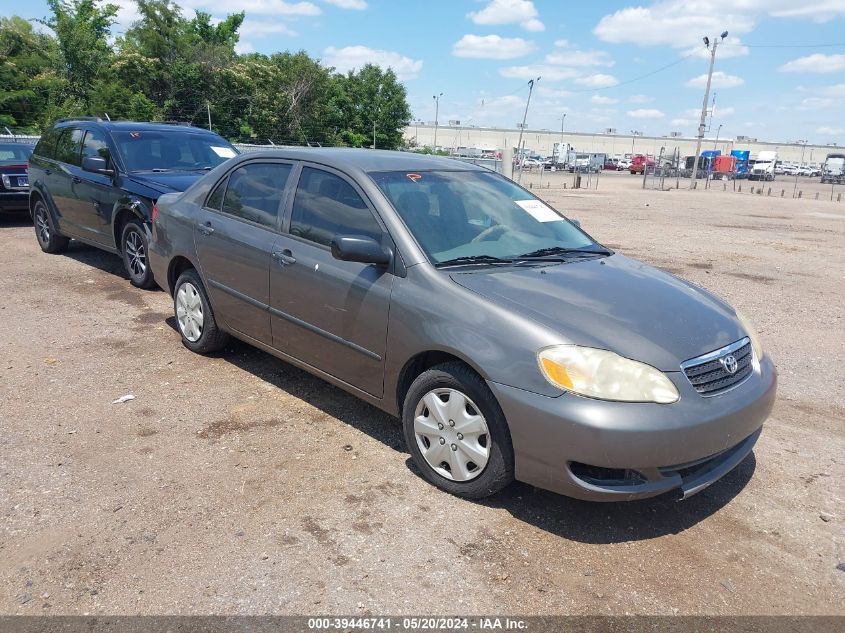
(184, 123)
(79, 118)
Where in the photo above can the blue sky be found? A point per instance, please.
(775, 78)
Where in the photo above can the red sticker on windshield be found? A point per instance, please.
(414, 177)
(135, 134)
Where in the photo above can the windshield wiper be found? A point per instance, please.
(563, 251)
(473, 259)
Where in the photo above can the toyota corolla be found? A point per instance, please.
(511, 344)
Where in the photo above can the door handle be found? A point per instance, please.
(77, 180)
(48, 171)
(206, 228)
(285, 257)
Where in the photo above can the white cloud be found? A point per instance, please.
(602, 100)
(580, 58)
(816, 103)
(597, 81)
(832, 131)
(640, 99)
(548, 73)
(816, 63)
(729, 47)
(242, 48)
(261, 28)
(553, 93)
(264, 7)
(682, 122)
(720, 80)
(492, 47)
(520, 12)
(818, 10)
(352, 57)
(645, 113)
(358, 5)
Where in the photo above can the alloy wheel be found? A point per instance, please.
(42, 224)
(136, 254)
(452, 434)
(189, 311)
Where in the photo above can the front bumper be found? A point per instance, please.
(14, 200)
(608, 451)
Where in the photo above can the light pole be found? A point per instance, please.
(560, 145)
(694, 173)
(803, 143)
(436, 116)
(634, 134)
(522, 129)
(718, 131)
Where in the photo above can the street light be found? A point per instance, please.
(712, 49)
(436, 116)
(718, 131)
(522, 129)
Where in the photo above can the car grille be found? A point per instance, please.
(709, 375)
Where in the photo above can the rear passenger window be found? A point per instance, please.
(255, 192)
(46, 146)
(215, 200)
(326, 205)
(69, 146)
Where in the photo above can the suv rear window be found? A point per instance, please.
(155, 150)
(69, 146)
(46, 146)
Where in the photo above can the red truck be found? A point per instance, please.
(639, 162)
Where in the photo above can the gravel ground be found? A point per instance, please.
(238, 484)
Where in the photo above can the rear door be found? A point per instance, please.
(329, 313)
(95, 194)
(60, 181)
(235, 234)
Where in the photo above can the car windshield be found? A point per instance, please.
(479, 216)
(178, 150)
(14, 153)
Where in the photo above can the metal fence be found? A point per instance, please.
(19, 138)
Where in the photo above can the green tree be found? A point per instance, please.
(375, 101)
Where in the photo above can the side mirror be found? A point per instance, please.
(575, 222)
(96, 165)
(357, 248)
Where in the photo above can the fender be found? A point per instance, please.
(37, 189)
(127, 208)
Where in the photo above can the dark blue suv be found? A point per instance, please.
(97, 182)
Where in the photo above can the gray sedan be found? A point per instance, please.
(511, 344)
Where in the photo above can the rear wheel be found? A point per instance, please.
(49, 239)
(194, 316)
(134, 246)
(456, 432)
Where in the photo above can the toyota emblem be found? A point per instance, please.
(729, 363)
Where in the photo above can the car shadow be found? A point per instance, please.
(96, 258)
(9, 220)
(572, 519)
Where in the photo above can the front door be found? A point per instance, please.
(329, 313)
(95, 194)
(235, 235)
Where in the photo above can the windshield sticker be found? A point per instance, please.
(223, 152)
(539, 211)
(414, 177)
(135, 134)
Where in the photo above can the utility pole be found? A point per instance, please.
(436, 117)
(208, 109)
(560, 145)
(712, 50)
(718, 131)
(522, 129)
(803, 143)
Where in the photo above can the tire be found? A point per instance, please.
(49, 239)
(134, 248)
(490, 438)
(194, 316)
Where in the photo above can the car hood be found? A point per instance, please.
(167, 181)
(615, 303)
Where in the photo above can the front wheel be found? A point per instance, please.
(49, 239)
(134, 246)
(456, 432)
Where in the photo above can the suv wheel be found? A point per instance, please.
(456, 432)
(134, 246)
(49, 239)
(194, 316)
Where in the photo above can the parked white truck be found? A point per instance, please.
(764, 166)
(833, 169)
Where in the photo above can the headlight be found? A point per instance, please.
(751, 333)
(601, 374)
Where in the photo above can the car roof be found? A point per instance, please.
(365, 160)
(135, 126)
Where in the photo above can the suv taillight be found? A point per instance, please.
(154, 213)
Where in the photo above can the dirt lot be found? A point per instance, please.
(237, 484)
